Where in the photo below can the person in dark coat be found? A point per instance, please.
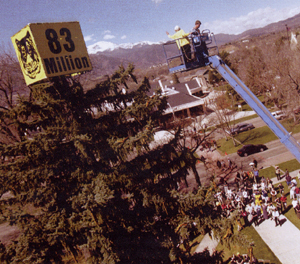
(297, 209)
(219, 164)
(255, 163)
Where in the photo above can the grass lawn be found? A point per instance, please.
(260, 250)
(260, 135)
(267, 172)
(290, 214)
(245, 119)
(246, 107)
(242, 119)
(290, 126)
(291, 165)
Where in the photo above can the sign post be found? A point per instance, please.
(46, 50)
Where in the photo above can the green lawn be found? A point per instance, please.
(267, 172)
(290, 126)
(260, 250)
(260, 135)
(261, 98)
(245, 119)
(291, 165)
(290, 214)
(242, 119)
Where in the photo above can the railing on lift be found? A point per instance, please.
(175, 56)
(171, 47)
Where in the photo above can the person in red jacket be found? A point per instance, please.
(283, 200)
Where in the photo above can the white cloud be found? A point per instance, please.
(106, 32)
(124, 37)
(157, 1)
(255, 19)
(88, 38)
(108, 36)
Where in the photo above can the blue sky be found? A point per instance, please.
(132, 21)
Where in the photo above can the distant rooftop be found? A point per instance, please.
(181, 96)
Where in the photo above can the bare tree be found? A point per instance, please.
(269, 66)
(224, 116)
(12, 89)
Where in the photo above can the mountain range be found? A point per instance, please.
(107, 56)
(110, 46)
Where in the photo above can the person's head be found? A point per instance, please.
(198, 23)
(177, 28)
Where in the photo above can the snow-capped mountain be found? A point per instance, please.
(109, 46)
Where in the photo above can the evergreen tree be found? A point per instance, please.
(83, 160)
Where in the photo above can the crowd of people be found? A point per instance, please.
(242, 259)
(255, 199)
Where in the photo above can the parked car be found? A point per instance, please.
(240, 128)
(278, 114)
(250, 149)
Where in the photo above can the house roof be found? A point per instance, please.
(178, 95)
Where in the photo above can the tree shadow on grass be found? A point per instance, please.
(253, 135)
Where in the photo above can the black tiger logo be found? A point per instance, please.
(28, 56)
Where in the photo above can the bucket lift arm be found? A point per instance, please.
(290, 142)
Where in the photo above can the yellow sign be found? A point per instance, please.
(46, 50)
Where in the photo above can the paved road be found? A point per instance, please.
(276, 153)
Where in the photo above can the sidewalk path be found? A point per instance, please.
(208, 243)
(293, 174)
(283, 240)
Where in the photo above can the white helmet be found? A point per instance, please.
(176, 28)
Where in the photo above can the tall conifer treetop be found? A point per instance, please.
(100, 194)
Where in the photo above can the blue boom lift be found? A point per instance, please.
(216, 62)
(178, 62)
